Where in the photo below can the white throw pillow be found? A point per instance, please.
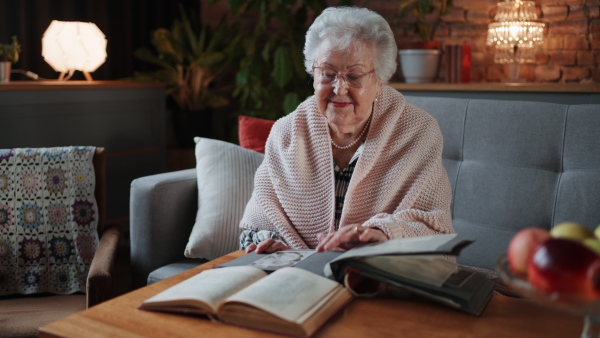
(225, 183)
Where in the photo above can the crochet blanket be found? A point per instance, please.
(48, 219)
(399, 184)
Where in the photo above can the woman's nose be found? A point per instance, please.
(340, 86)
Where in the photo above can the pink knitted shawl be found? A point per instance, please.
(399, 184)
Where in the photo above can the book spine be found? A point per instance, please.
(466, 64)
(448, 61)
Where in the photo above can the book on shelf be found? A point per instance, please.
(289, 301)
(415, 265)
(457, 60)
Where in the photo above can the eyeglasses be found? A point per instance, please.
(328, 77)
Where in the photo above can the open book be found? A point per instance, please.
(415, 265)
(290, 300)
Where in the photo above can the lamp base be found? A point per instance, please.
(520, 80)
(64, 77)
(87, 75)
(513, 73)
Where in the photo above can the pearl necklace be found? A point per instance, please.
(357, 139)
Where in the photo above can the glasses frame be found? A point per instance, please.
(339, 75)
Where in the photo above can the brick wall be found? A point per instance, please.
(570, 53)
(571, 49)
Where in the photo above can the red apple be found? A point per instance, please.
(522, 247)
(566, 266)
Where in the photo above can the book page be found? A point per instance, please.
(282, 259)
(209, 286)
(288, 293)
(399, 246)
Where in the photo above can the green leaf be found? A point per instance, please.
(210, 60)
(242, 77)
(424, 31)
(282, 72)
(189, 35)
(266, 52)
(146, 55)
(404, 5)
(235, 5)
(290, 102)
(215, 101)
(201, 42)
(163, 42)
(424, 7)
(298, 62)
(444, 6)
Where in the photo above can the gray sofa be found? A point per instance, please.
(511, 164)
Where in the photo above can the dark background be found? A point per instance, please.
(127, 25)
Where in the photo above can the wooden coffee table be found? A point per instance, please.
(503, 317)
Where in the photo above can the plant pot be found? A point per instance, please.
(419, 65)
(5, 68)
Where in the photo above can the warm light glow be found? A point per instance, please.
(515, 35)
(68, 46)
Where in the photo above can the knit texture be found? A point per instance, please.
(399, 184)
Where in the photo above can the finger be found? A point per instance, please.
(276, 246)
(370, 235)
(250, 248)
(340, 238)
(324, 241)
(264, 245)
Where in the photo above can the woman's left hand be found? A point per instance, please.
(348, 237)
(269, 245)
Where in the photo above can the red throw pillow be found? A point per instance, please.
(253, 132)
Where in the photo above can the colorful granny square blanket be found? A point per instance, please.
(48, 219)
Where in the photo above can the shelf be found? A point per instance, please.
(499, 87)
(76, 85)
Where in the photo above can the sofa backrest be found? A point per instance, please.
(515, 164)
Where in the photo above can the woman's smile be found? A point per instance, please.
(339, 104)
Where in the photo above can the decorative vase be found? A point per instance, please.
(419, 65)
(5, 67)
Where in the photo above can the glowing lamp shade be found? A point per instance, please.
(515, 34)
(68, 46)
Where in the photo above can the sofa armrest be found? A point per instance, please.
(163, 209)
(99, 277)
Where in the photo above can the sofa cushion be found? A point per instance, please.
(225, 174)
(253, 132)
(173, 269)
(515, 164)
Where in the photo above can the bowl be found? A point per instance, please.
(589, 309)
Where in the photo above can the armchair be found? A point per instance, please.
(21, 315)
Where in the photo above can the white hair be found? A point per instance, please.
(345, 25)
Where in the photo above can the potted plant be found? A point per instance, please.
(271, 80)
(190, 59)
(9, 54)
(419, 60)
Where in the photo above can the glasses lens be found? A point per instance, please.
(328, 76)
(355, 80)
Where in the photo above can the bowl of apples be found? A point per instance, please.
(560, 267)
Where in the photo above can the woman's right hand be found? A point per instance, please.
(269, 245)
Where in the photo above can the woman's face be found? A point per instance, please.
(345, 106)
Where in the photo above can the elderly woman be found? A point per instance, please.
(354, 163)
